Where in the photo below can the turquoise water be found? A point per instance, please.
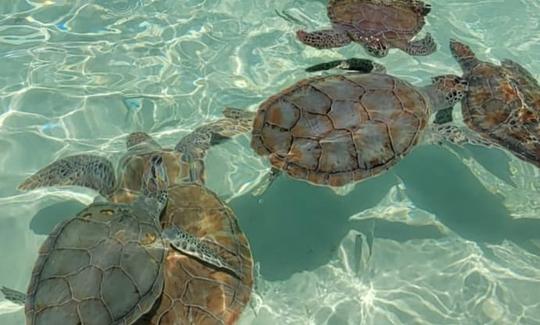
(455, 231)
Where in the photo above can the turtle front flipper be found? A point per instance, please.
(14, 296)
(443, 129)
(421, 47)
(355, 64)
(194, 247)
(324, 39)
(90, 171)
(517, 72)
(195, 145)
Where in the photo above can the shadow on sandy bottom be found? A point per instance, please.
(297, 227)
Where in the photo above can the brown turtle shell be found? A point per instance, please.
(503, 106)
(195, 293)
(337, 129)
(392, 20)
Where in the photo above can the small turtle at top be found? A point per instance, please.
(378, 25)
(335, 130)
(208, 271)
(502, 104)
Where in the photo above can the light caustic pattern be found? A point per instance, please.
(77, 76)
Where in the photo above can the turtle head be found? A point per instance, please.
(463, 55)
(154, 186)
(446, 90)
(140, 140)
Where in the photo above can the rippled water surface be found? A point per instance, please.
(455, 231)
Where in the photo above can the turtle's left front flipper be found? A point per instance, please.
(195, 145)
(90, 171)
(14, 296)
(443, 128)
(194, 247)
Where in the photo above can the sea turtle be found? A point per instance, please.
(376, 24)
(502, 104)
(341, 128)
(198, 289)
(105, 265)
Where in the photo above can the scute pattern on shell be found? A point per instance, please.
(392, 20)
(333, 130)
(77, 276)
(503, 105)
(193, 291)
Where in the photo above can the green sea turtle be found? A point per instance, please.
(502, 104)
(212, 288)
(338, 129)
(376, 24)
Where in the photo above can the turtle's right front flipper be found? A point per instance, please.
(90, 171)
(14, 296)
(194, 247)
(355, 64)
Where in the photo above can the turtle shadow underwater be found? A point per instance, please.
(297, 227)
(438, 182)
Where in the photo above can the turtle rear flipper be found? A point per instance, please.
(421, 47)
(522, 76)
(14, 296)
(90, 171)
(194, 247)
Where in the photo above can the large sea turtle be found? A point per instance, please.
(502, 104)
(339, 129)
(105, 265)
(376, 24)
(209, 289)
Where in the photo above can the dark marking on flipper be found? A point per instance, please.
(356, 64)
(443, 116)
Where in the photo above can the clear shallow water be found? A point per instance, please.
(455, 230)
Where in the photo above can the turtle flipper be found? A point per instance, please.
(443, 129)
(266, 181)
(324, 39)
(14, 296)
(421, 47)
(90, 171)
(356, 64)
(239, 115)
(195, 145)
(194, 247)
(522, 76)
